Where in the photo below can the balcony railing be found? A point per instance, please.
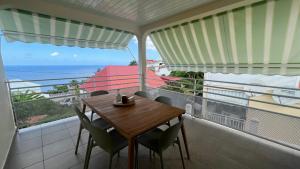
(273, 115)
(42, 100)
(228, 121)
(269, 112)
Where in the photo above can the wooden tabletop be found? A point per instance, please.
(133, 120)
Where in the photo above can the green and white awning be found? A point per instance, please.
(19, 25)
(260, 38)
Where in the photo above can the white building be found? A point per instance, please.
(159, 67)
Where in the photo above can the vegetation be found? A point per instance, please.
(46, 108)
(59, 89)
(32, 108)
(187, 83)
(26, 96)
(75, 86)
(132, 63)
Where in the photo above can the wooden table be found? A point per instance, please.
(134, 120)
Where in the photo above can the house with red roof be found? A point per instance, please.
(120, 77)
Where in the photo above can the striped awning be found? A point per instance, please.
(24, 26)
(259, 38)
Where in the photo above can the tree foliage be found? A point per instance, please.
(29, 104)
(132, 63)
(75, 86)
(59, 89)
(52, 110)
(191, 82)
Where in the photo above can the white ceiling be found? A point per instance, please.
(140, 12)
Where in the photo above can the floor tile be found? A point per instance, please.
(99, 161)
(28, 134)
(73, 123)
(63, 161)
(36, 166)
(25, 159)
(74, 130)
(59, 145)
(82, 150)
(58, 148)
(83, 139)
(55, 136)
(51, 129)
(20, 146)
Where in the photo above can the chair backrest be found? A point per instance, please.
(82, 117)
(163, 99)
(141, 93)
(100, 136)
(170, 135)
(99, 92)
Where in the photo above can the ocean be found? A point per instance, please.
(20, 72)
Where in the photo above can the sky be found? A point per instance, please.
(19, 53)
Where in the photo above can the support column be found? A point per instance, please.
(142, 60)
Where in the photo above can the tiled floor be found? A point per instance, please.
(52, 146)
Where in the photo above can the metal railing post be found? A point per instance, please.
(195, 86)
(12, 104)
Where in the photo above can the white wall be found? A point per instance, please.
(7, 125)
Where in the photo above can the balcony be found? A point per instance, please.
(229, 124)
(211, 146)
(222, 131)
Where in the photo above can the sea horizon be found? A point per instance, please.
(39, 72)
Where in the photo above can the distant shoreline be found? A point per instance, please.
(39, 72)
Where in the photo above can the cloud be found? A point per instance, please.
(54, 54)
(149, 43)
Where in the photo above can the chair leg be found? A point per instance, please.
(136, 155)
(92, 115)
(161, 160)
(78, 138)
(179, 146)
(110, 161)
(88, 152)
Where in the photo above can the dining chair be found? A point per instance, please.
(158, 141)
(141, 93)
(164, 100)
(97, 93)
(111, 142)
(99, 123)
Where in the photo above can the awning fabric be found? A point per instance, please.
(19, 25)
(260, 38)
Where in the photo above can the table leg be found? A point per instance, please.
(83, 108)
(131, 153)
(184, 139)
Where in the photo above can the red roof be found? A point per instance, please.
(118, 77)
(169, 78)
(151, 61)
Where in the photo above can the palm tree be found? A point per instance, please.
(75, 86)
